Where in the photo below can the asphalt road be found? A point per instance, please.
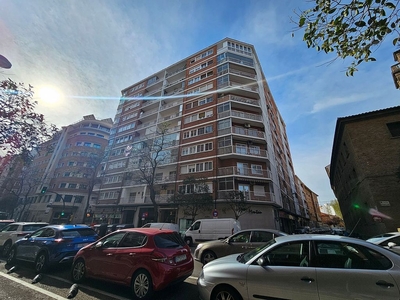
(56, 283)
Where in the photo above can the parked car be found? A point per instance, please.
(4, 223)
(170, 226)
(390, 240)
(147, 259)
(51, 245)
(123, 226)
(15, 231)
(306, 266)
(243, 241)
(211, 229)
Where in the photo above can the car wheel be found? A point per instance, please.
(225, 293)
(207, 257)
(78, 271)
(6, 248)
(188, 242)
(41, 262)
(11, 258)
(142, 285)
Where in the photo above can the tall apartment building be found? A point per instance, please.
(365, 171)
(57, 184)
(223, 125)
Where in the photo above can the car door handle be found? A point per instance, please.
(132, 254)
(109, 254)
(384, 283)
(307, 279)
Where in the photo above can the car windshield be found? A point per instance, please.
(244, 258)
(78, 232)
(380, 237)
(168, 240)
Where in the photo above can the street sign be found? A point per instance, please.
(215, 213)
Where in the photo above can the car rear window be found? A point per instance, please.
(32, 227)
(78, 232)
(168, 240)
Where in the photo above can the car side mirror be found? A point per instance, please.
(262, 261)
(391, 245)
(98, 245)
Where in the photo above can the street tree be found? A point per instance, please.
(193, 197)
(336, 207)
(350, 28)
(148, 157)
(237, 203)
(21, 128)
(89, 171)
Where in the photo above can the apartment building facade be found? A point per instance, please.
(57, 184)
(222, 125)
(365, 171)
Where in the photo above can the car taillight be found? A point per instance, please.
(162, 258)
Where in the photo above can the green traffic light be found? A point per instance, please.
(356, 206)
(62, 213)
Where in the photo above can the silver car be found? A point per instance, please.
(306, 266)
(242, 241)
(390, 240)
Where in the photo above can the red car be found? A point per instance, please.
(146, 259)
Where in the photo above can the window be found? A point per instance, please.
(394, 129)
(72, 186)
(291, 254)
(87, 144)
(349, 256)
(241, 148)
(256, 169)
(224, 107)
(78, 199)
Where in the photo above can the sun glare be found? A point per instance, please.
(49, 95)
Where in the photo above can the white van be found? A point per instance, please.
(171, 226)
(211, 229)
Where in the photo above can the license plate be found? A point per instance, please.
(180, 258)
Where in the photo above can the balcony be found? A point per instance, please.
(245, 90)
(240, 114)
(248, 172)
(237, 72)
(249, 196)
(253, 133)
(238, 99)
(248, 151)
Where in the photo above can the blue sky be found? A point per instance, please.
(96, 48)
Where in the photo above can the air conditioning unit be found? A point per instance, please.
(247, 125)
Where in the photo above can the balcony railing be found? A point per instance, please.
(237, 72)
(251, 88)
(240, 114)
(243, 151)
(265, 174)
(242, 131)
(248, 196)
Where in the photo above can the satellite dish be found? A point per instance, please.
(4, 63)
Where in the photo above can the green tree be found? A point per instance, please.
(193, 197)
(350, 28)
(21, 129)
(336, 207)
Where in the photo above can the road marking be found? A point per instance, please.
(33, 287)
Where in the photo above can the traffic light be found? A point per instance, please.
(44, 189)
(356, 206)
(62, 214)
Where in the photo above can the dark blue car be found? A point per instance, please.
(51, 245)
